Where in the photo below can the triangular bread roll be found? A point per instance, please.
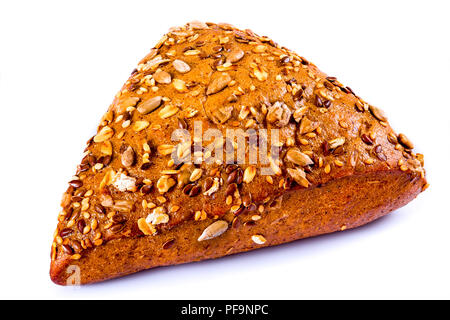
(336, 163)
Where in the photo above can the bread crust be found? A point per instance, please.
(340, 163)
(339, 205)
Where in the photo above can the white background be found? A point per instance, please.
(61, 63)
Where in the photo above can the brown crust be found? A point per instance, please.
(338, 205)
(334, 147)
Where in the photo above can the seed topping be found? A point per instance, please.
(128, 157)
(297, 157)
(251, 84)
(218, 83)
(214, 230)
(149, 105)
(162, 77)
(258, 239)
(181, 66)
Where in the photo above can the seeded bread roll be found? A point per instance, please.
(337, 164)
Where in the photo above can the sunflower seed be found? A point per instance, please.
(299, 113)
(179, 85)
(333, 144)
(297, 157)
(274, 166)
(162, 77)
(235, 55)
(106, 148)
(299, 176)
(128, 157)
(278, 114)
(192, 52)
(307, 126)
(198, 25)
(221, 115)
(168, 111)
(104, 134)
(249, 174)
(196, 174)
(181, 66)
(140, 125)
(218, 83)
(153, 52)
(258, 239)
(149, 105)
(165, 183)
(260, 73)
(183, 150)
(157, 216)
(165, 149)
(378, 113)
(129, 102)
(405, 141)
(214, 230)
(145, 227)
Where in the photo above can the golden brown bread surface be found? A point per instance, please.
(131, 207)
